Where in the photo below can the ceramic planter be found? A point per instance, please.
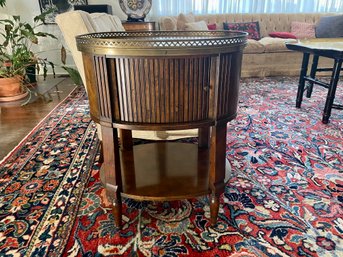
(11, 89)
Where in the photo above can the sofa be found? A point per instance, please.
(267, 56)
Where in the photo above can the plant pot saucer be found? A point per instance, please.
(13, 98)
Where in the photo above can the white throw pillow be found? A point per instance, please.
(182, 19)
(199, 25)
(168, 23)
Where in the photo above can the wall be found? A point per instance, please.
(50, 48)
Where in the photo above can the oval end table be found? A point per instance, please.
(163, 80)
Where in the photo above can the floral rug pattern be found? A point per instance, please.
(43, 179)
(284, 196)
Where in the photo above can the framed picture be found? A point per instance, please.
(60, 6)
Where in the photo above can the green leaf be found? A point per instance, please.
(52, 67)
(5, 43)
(17, 39)
(8, 21)
(2, 3)
(63, 55)
(42, 16)
(74, 75)
(8, 27)
(44, 34)
(16, 17)
(31, 36)
(27, 26)
(45, 70)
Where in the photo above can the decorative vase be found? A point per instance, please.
(136, 10)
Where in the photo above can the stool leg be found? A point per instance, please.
(312, 75)
(217, 168)
(332, 90)
(111, 171)
(301, 85)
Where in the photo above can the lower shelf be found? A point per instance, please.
(165, 171)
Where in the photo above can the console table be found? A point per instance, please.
(163, 81)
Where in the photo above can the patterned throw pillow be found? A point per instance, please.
(253, 28)
(282, 34)
(303, 29)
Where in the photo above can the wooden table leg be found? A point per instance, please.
(204, 137)
(101, 157)
(112, 172)
(332, 90)
(125, 136)
(127, 159)
(301, 85)
(312, 75)
(217, 168)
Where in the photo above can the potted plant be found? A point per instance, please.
(16, 54)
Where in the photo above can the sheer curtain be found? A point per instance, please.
(174, 7)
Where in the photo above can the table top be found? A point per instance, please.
(329, 47)
(161, 43)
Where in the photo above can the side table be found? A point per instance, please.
(163, 81)
(139, 26)
(330, 48)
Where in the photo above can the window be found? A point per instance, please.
(174, 7)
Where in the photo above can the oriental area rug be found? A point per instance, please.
(284, 196)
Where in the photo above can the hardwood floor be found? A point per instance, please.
(16, 121)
